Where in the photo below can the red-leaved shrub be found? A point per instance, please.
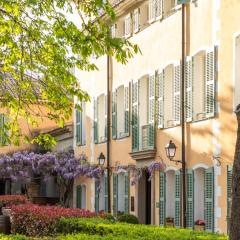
(6, 200)
(35, 220)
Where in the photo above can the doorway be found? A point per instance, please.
(144, 199)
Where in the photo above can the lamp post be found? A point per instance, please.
(171, 152)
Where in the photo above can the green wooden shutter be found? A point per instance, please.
(160, 100)
(79, 196)
(105, 117)
(229, 194)
(135, 117)
(126, 111)
(209, 199)
(162, 198)
(190, 198)
(105, 192)
(78, 127)
(115, 193)
(210, 78)
(114, 114)
(176, 94)
(95, 125)
(177, 198)
(126, 195)
(189, 88)
(96, 197)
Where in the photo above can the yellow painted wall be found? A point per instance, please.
(210, 23)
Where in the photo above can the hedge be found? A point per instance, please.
(124, 231)
(34, 220)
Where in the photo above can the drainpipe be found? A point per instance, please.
(108, 130)
(184, 217)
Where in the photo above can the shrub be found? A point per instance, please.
(123, 231)
(35, 220)
(109, 217)
(6, 200)
(128, 218)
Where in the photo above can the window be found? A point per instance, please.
(113, 30)
(80, 125)
(3, 130)
(100, 119)
(237, 73)
(198, 85)
(127, 26)
(168, 96)
(204, 84)
(155, 9)
(168, 6)
(120, 112)
(136, 20)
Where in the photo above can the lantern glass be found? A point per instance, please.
(170, 150)
(101, 159)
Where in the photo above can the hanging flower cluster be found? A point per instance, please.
(136, 172)
(23, 165)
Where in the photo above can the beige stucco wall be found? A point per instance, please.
(209, 23)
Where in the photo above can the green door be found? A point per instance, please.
(105, 192)
(209, 199)
(162, 198)
(115, 193)
(126, 193)
(97, 196)
(229, 194)
(79, 196)
(178, 198)
(190, 198)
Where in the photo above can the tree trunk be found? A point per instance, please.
(234, 227)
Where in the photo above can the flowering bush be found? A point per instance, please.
(200, 222)
(35, 220)
(6, 200)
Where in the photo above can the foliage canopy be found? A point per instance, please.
(41, 43)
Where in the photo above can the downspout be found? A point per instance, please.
(184, 217)
(108, 129)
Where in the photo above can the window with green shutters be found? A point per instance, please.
(162, 198)
(105, 192)
(97, 196)
(126, 111)
(115, 193)
(209, 199)
(95, 124)
(105, 117)
(135, 117)
(189, 88)
(210, 82)
(160, 99)
(176, 94)
(126, 193)
(229, 194)
(114, 114)
(78, 127)
(177, 198)
(79, 196)
(190, 198)
(3, 130)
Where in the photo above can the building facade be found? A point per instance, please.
(145, 113)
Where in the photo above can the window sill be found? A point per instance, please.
(123, 137)
(81, 144)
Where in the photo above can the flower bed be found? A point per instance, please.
(35, 220)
